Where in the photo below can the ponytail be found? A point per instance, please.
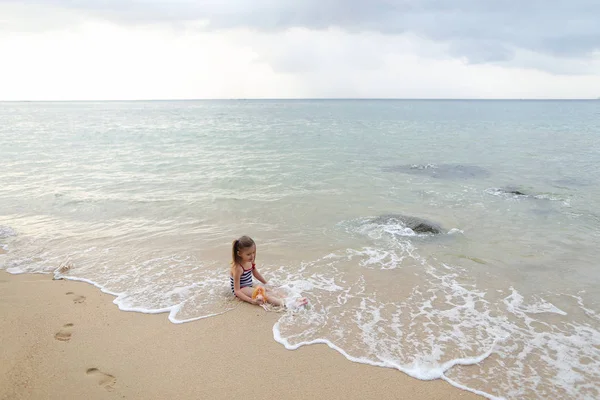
(234, 250)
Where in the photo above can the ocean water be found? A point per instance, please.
(143, 199)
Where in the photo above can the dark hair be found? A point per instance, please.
(238, 244)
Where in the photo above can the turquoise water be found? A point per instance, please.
(143, 199)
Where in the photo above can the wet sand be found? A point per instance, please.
(67, 340)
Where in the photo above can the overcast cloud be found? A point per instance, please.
(308, 41)
(477, 29)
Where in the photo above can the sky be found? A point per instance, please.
(205, 49)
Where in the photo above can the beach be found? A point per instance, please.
(67, 340)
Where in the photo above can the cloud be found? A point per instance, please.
(480, 31)
(103, 61)
(127, 49)
(107, 61)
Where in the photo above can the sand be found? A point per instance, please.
(67, 340)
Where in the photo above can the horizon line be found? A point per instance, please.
(307, 99)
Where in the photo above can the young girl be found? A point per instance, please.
(242, 270)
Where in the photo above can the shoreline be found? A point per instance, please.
(66, 339)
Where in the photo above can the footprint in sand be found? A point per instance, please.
(64, 335)
(107, 381)
(77, 299)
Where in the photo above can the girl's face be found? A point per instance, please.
(247, 254)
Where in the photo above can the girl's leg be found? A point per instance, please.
(247, 291)
(274, 292)
(275, 299)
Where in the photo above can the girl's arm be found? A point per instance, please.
(236, 286)
(258, 276)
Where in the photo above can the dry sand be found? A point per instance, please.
(67, 340)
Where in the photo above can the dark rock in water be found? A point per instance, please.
(418, 225)
(442, 171)
(512, 190)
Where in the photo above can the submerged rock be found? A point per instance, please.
(418, 225)
(442, 171)
(510, 190)
(517, 192)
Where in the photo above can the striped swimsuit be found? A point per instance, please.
(245, 279)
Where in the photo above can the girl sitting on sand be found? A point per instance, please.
(242, 269)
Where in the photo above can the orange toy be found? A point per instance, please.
(259, 294)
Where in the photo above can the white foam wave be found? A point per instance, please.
(508, 194)
(515, 303)
(390, 231)
(565, 202)
(589, 312)
(444, 325)
(504, 193)
(382, 329)
(178, 285)
(370, 257)
(441, 324)
(416, 372)
(423, 166)
(6, 231)
(469, 389)
(121, 300)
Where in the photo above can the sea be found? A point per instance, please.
(495, 289)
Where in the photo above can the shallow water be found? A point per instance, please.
(143, 199)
